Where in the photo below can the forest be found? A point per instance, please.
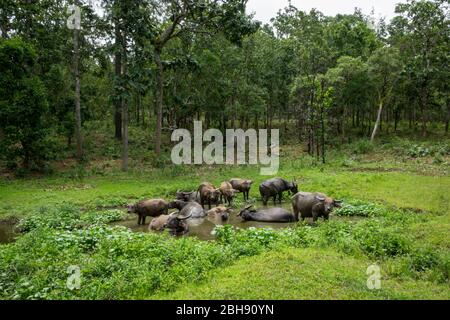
(91, 92)
(153, 66)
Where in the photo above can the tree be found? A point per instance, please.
(132, 24)
(421, 31)
(23, 103)
(76, 26)
(351, 35)
(179, 18)
(384, 70)
(352, 95)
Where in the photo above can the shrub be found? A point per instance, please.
(246, 242)
(65, 217)
(115, 263)
(429, 264)
(377, 242)
(359, 208)
(302, 236)
(362, 146)
(103, 217)
(417, 151)
(421, 260)
(23, 104)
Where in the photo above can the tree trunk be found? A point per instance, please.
(80, 156)
(424, 122)
(159, 100)
(447, 118)
(118, 73)
(377, 123)
(322, 123)
(124, 111)
(138, 110)
(4, 21)
(396, 119)
(125, 135)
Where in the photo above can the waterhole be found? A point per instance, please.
(203, 228)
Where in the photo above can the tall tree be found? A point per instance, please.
(74, 23)
(421, 31)
(178, 18)
(23, 104)
(384, 70)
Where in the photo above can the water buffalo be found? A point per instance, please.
(193, 196)
(227, 193)
(266, 215)
(208, 194)
(219, 214)
(313, 205)
(192, 209)
(149, 208)
(242, 186)
(177, 224)
(158, 223)
(275, 187)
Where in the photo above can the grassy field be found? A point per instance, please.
(404, 227)
(401, 189)
(297, 274)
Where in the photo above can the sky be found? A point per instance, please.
(267, 9)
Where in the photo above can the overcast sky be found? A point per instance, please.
(267, 9)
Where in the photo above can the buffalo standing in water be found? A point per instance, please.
(266, 215)
(313, 205)
(149, 208)
(209, 194)
(193, 196)
(242, 185)
(227, 193)
(275, 188)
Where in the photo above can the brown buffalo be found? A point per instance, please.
(149, 208)
(227, 193)
(158, 223)
(219, 214)
(313, 205)
(242, 185)
(193, 196)
(208, 194)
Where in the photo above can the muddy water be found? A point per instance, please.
(200, 228)
(203, 228)
(8, 231)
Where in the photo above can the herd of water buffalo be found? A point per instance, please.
(191, 205)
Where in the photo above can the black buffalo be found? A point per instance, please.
(274, 188)
(266, 215)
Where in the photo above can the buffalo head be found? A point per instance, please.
(329, 204)
(246, 212)
(177, 224)
(131, 208)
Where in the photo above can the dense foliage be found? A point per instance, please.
(116, 263)
(155, 65)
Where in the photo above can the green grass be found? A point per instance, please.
(404, 190)
(298, 274)
(404, 227)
